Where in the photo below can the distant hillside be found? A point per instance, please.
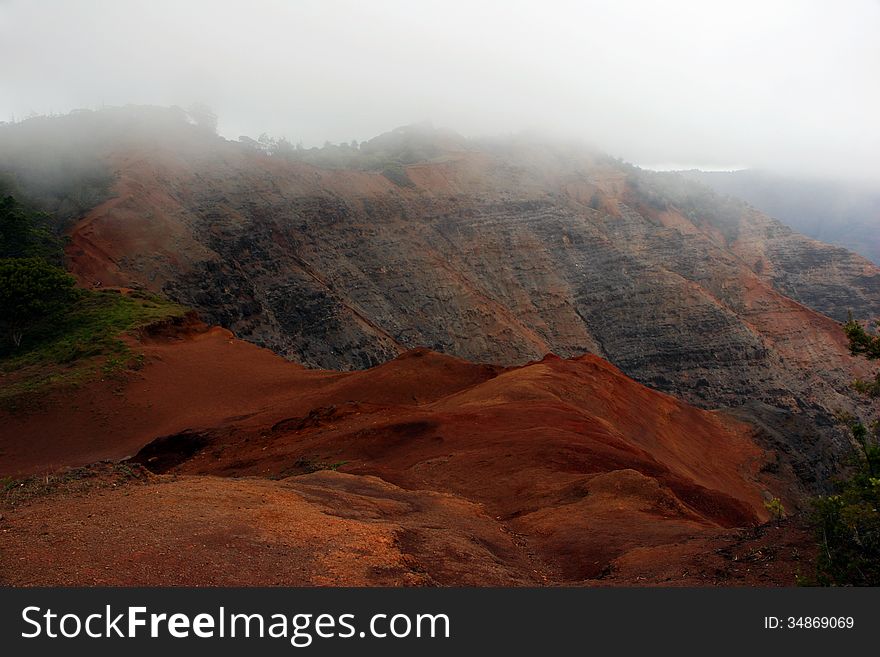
(834, 212)
(494, 251)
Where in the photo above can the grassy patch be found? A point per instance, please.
(80, 344)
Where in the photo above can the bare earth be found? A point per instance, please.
(226, 465)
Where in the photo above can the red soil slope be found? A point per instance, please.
(448, 473)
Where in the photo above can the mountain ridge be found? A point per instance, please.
(498, 252)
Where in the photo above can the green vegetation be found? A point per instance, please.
(848, 522)
(92, 326)
(775, 508)
(25, 233)
(862, 343)
(79, 343)
(31, 291)
(52, 332)
(396, 173)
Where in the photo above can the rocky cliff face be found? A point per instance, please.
(496, 252)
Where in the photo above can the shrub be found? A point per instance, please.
(25, 233)
(848, 522)
(31, 290)
(776, 509)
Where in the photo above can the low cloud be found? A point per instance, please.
(787, 85)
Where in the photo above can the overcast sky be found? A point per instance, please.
(788, 84)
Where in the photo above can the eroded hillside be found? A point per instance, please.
(496, 251)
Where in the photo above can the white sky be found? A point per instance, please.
(781, 84)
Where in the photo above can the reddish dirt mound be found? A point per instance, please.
(322, 529)
(199, 377)
(449, 472)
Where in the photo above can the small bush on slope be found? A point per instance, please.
(848, 522)
(862, 343)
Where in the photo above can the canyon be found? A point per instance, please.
(426, 360)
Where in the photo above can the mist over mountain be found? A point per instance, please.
(828, 210)
(495, 250)
(787, 85)
(344, 293)
(332, 334)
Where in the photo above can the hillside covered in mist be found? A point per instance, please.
(492, 250)
(847, 214)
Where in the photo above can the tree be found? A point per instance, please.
(203, 116)
(862, 343)
(848, 522)
(25, 233)
(283, 148)
(267, 144)
(31, 290)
